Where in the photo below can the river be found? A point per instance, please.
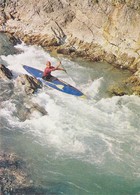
(85, 146)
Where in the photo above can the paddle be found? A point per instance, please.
(62, 66)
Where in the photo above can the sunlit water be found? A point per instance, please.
(83, 146)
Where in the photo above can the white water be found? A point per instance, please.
(101, 133)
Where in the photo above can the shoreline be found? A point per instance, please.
(50, 45)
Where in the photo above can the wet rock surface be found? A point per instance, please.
(15, 180)
(117, 91)
(13, 177)
(134, 81)
(27, 110)
(28, 83)
(7, 43)
(6, 90)
(5, 73)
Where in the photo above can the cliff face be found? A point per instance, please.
(101, 29)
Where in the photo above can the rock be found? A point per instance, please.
(136, 90)
(7, 43)
(113, 25)
(6, 90)
(27, 110)
(66, 51)
(39, 108)
(5, 73)
(13, 39)
(117, 90)
(137, 73)
(12, 174)
(42, 40)
(134, 81)
(28, 83)
(110, 58)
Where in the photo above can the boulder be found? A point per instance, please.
(117, 90)
(6, 90)
(66, 51)
(26, 111)
(7, 43)
(28, 83)
(12, 174)
(135, 82)
(5, 73)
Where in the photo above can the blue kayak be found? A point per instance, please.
(53, 82)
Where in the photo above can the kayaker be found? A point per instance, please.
(49, 68)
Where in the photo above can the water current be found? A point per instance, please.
(85, 146)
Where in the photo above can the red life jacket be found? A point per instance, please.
(47, 71)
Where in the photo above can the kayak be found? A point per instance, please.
(54, 82)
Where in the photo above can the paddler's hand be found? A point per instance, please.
(58, 63)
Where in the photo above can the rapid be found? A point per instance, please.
(84, 146)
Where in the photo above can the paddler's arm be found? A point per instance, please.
(57, 67)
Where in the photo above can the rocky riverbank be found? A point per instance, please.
(96, 30)
(13, 177)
